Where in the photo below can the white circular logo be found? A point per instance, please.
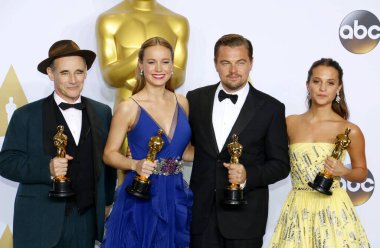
(359, 192)
(359, 31)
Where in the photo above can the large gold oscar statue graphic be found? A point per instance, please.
(122, 29)
(120, 32)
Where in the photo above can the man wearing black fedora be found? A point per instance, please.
(30, 158)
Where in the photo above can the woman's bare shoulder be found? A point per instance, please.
(126, 112)
(128, 105)
(355, 130)
(294, 119)
(182, 100)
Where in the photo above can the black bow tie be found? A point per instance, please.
(223, 95)
(64, 106)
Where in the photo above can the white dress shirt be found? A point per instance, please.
(73, 117)
(225, 113)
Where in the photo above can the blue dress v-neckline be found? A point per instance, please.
(173, 126)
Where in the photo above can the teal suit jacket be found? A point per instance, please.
(25, 156)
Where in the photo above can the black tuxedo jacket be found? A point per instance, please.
(261, 129)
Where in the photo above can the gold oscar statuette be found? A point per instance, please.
(233, 194)
(61, 184)
(140, 185)
(324, 180)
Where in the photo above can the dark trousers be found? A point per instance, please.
(79, 230)
(212, 238)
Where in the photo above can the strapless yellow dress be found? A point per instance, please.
(310, 219)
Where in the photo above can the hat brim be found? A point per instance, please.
(88, 55)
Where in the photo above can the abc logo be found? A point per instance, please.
(359, 192)
(359, 31)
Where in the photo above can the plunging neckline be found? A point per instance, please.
(173, 124)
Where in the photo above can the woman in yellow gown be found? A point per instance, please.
(308, 218)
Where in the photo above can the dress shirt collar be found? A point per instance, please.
(241, 93)
(59, 99)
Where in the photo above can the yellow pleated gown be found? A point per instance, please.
(310, 219)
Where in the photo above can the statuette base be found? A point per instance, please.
(322, 184)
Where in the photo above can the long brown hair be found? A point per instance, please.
(155, 41)
(340, 108)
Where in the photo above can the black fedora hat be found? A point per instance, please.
(64, 48)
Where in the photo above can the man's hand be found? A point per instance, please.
(236, 173)
(58, 166)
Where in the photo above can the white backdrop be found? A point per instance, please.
(287, 37)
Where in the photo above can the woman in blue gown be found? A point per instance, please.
(163, 220)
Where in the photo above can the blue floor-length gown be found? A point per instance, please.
(163, 221)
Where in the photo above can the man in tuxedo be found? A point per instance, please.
(29, 157)
(234, 106)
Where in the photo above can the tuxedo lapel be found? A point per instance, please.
(209, 106)
(49, 125)
(247, 112)
(96, 132)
